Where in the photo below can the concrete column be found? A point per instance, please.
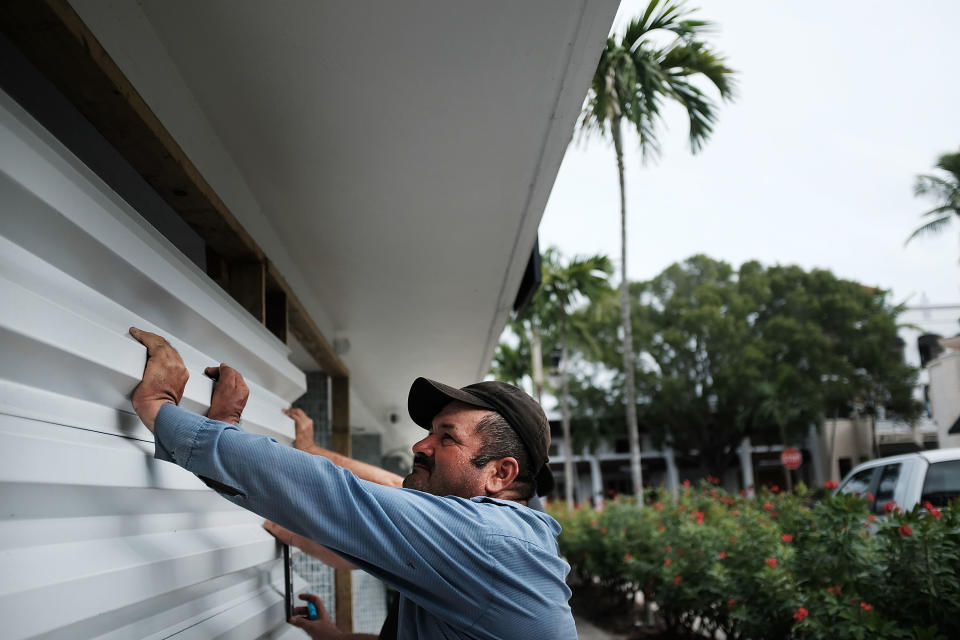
(596, 481)
(673, 475)
(746, 465)
(816, 462)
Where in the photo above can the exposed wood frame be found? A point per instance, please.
(55, 39)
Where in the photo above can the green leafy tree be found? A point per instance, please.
(759, 352)
(635, 76)
(703, 363)
(945, 190)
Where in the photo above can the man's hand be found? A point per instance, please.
(323, 627)
(303, 429)
(164, 377)
(230, 394)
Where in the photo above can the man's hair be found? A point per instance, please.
(499, 440)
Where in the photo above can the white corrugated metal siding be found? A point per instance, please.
(97, 539)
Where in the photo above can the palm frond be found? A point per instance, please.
(699, 112)
(950, 162)
(697, 58)
(635, 76)
(931, 228)
(945, 190)
(935, 185)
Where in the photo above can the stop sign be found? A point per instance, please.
(791, 458)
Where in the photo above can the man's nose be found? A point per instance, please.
(425, 446)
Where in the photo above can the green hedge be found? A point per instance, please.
(772, 567)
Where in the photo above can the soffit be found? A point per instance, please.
(399, 155)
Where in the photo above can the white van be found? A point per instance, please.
(910, 479)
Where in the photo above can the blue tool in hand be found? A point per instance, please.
(311, 611)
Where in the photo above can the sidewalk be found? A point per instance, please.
(587, 631)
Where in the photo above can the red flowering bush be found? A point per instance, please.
(778, 566)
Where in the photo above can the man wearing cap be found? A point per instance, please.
(468, 559)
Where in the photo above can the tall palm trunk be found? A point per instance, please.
(536, 357)
(568, 478)
(629, 384)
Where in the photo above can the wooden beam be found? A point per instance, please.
(340, 442)
(55, 39)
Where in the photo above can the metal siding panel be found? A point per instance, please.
(98, 539)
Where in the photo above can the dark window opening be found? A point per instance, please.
(942, 483)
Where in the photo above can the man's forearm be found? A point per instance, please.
(362, 470)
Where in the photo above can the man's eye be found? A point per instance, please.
(446, 437)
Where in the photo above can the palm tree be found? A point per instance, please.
(634, 77)
(945, 190)
(564, 287)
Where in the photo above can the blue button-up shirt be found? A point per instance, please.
(477, 568)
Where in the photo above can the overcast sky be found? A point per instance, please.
(840, 105)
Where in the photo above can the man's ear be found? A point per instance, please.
(502, 474)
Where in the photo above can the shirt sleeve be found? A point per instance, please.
(434, 550)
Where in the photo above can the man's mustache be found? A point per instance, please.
(423, 460)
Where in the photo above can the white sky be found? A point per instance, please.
(840, 105)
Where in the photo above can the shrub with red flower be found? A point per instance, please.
(830, 484)
(890, 507)
(932, 510)
(817, 553)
